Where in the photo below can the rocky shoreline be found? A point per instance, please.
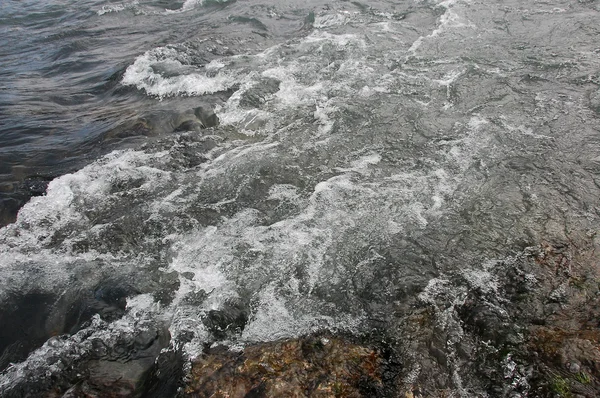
(530, 329)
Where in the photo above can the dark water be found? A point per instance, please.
(61, 101)
(280, 168)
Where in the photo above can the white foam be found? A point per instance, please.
(241, 253)
(340, 40)
(482, 280)
(273, 321)
(189, 5)
(329, 20)
(111, 8)
(67, 196)
(284, 192)
(167, 71)
(449, 20)
(114, 8)
(476, 122)
(143, 75)
(322, 117)
(305, 81)
(523, 130)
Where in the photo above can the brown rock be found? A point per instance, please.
(314, 366)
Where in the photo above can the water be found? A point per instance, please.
(62, 101)
(363, 154)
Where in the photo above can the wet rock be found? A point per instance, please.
(74, 308)
(99, 361)
(165, 285)
(196, 297)
(559, 295)
(562, 351)
(31, 319)
(190, 125)
(110, 378)
(573, 367)
(117, 378)
(187, 275)
(230, 319)
(168, 121)
(108, 300)
(499, 332)
(166, 376)
(15, 194)
(206, 116)
(316, 366)
(257, 95)
(486, 321)
(494, 332)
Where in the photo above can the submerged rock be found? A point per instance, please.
(24, 319)
(168, 121)
(37, 316)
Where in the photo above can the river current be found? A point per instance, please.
(245, 171)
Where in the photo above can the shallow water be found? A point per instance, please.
(362, 154)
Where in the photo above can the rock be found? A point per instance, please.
(123, 370)
(257, 95)
(96, 362)
(168, 121)
(316, 366)
(230, 319)
(573, 367)
(559, 295)
(206, 116)
(189, 125)
(496, 333)
(166, 376)
(71, 311)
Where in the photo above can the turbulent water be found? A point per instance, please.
(249, 171)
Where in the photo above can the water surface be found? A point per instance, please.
(363, 154)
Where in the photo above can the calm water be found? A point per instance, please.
(363, 153)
